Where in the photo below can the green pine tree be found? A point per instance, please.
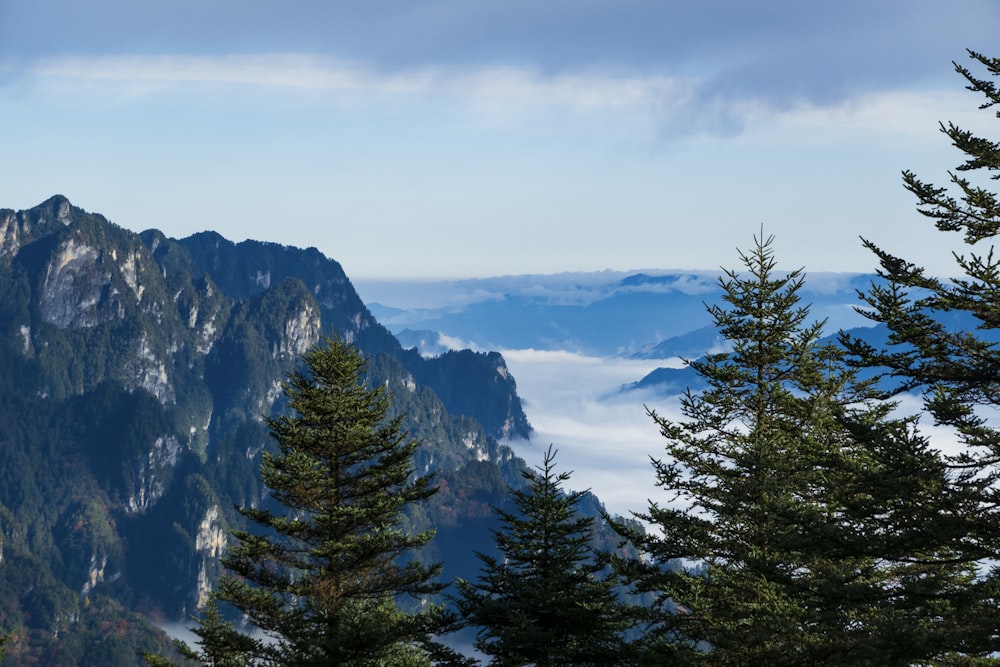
(547, 602)
(942, 342)
(781, 539)
(319, 581)
(940, 330)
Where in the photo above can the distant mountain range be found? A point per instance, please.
(646, 314)
(641, 315)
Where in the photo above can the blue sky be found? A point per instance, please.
(456, 139)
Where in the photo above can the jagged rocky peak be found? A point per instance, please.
(18, 228)
(57, 207)
(101, 286)
(92, 269)
(248, 268)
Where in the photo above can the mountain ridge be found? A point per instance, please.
(604, 314)
(134, 373)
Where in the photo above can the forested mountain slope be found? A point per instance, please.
(134, 372)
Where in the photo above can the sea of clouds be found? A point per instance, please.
(602, 435)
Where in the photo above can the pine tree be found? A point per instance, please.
(941, 332)
(547, 603)
(782, 539)
(222, 645)
(942, 342)
(319, 581)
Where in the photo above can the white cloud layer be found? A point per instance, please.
(606, 439)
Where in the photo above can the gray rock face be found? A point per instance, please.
(73, 286)
(301, 333)
(152, 474)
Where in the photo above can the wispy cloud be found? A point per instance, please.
(677, 105)
(520, 85)
(888, 112)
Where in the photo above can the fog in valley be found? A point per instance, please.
(603, 434)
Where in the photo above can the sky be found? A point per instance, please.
(447, 138)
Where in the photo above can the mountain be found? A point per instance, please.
(134, 373)
(690, 345)
(248, 269)
(669, 381)
(601, 314)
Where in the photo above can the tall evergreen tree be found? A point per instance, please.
(942, 342)
(782, 539)
(547, 603)
(318, 582)
(943, 332)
